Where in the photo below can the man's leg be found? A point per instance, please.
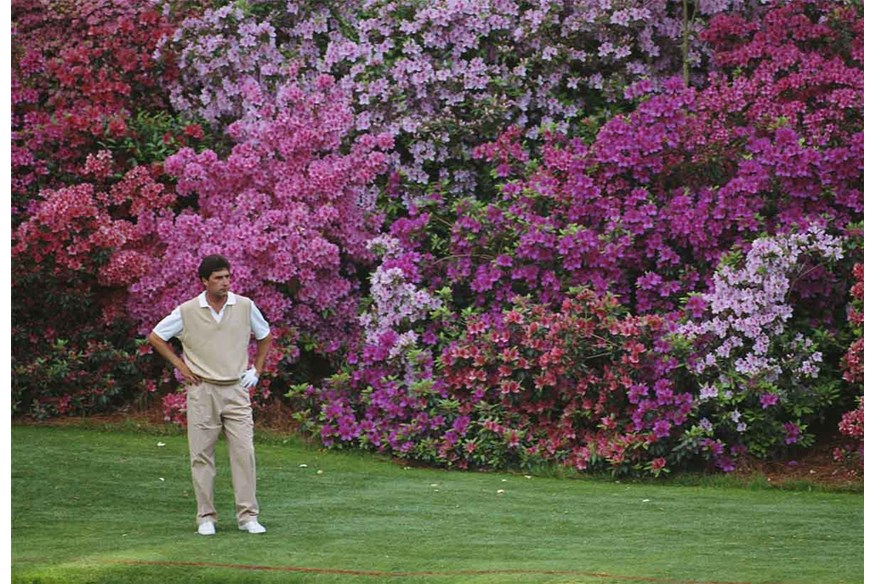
(204, 425)
(237, 420)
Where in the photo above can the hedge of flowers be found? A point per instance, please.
(615, 236)
(439, 76)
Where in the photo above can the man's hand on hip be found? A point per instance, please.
(187, 374)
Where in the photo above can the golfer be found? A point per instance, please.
(215, 329)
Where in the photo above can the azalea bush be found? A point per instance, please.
(90, 132)
(602, 235)
(650, 221)
(584, 386)
(852, 429)
(648, 209)
(851, 425)
(441, 77)
(289, 208)
(72, 261)
(227, 59)
(81, 377)
(381, 398)
(760, 378)
(853, 360)
(81, 73)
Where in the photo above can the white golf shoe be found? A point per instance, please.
(207, 528)
(253, 526)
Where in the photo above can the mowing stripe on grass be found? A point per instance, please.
(88, 505)
(409, 574)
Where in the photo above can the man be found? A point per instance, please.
(215, 329)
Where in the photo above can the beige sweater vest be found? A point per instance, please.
(216, 351)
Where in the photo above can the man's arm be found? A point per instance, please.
(262, 348)
(165, 350)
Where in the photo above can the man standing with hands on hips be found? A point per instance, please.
(215, 329)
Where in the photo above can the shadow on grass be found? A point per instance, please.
(752, 480)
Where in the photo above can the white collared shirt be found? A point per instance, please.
(172, 324)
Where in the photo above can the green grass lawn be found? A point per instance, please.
(112, 505)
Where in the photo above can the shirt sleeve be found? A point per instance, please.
(170, 326)
(257, 322)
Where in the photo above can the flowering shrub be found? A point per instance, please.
(800, 66)
(852, 427)
(383, 397)
(290, 210)
(646, 211)
(77, 379)
(228, 60)
(440, 77)
(760, 379)
(80, 72)
(583, 386)
(79, 228)
(852, 424)
(83, 83)
(853, 361)
(72, 260)
(394, 300)
(579, 387)
(93, 230)
(648, 208)
(174, 405)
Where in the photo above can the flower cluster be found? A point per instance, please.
(290, 210)
(852, 423)
(583, 386)
(395, 301)
(72, 259)
(384, 397)
(755, 372)
(174, 405)
(646, 210)
(439, 77)
(230, 56)
(650, 206)
(853, 361)
(98, 229)
(801, 64)
(80, 71)
(580, 386)
(87, 107)
(852, 427)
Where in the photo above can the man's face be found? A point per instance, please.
(218, 284)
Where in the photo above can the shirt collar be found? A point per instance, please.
(202, 299)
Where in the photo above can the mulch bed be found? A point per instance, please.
(816, 466)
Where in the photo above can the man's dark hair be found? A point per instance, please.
(212, 263)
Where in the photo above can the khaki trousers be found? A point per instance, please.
(210, 409)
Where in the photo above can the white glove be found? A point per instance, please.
(249, 378)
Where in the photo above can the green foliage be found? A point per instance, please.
(155, 136)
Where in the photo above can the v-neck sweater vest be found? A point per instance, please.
(216, 351)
